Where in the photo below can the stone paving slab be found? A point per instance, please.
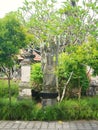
(44, 125)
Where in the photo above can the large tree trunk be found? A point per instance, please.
(49, 94)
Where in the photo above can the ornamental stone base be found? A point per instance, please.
(48, 99)
(24, 91)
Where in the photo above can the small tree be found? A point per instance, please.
(54, 28)
(13, 37)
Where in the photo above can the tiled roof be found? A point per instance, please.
(37, 56)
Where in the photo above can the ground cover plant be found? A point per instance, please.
(68, 109)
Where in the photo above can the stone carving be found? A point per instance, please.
(48, 68)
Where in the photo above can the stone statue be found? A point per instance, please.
(48, 68)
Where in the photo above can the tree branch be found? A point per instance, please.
(66, 86)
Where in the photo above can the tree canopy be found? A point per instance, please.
(13, 36)
(72, 24)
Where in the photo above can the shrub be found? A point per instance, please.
(69, 63)
(36, 76)
(19, 110)
(66, 110)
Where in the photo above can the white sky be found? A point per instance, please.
(11, 5)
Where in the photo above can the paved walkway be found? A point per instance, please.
(44, 125)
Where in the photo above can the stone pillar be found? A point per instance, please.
(24, 86)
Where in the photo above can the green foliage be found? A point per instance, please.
(44, 22)
(68, 63)
(36, 76)
(76, 59)
(47, 113)
(93, 54)
(4, 91)
(13, 37)
(72, 23)
(86, 108)
(19, 110)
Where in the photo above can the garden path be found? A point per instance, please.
(52, 125)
